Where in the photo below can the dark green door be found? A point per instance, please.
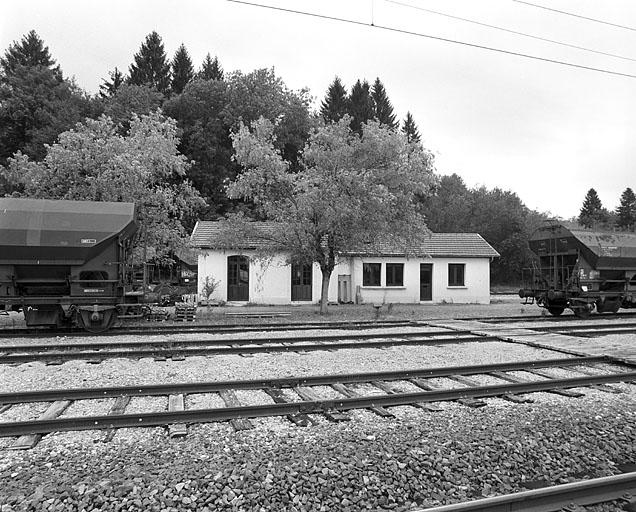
(300, 282)
(238, 278)
(426, 281)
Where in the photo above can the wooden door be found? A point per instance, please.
(426, 281)
(238, 278)
(301, 282)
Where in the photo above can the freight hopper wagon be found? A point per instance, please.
(64, 263)
(581, 270)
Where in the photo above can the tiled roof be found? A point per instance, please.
(206, 234)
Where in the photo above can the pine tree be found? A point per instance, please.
(182, 70)
(29, 52)
(626, 211)
(210, 69)
(409, 128)
(382, 106)
(592, 210)
(335, 104)
(108, 88)
(151, 66)
(360, 105)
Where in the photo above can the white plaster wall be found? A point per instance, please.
(270, 281)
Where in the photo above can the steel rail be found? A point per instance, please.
(70, 355)
(286, 382)
(43, 347)
(208, 328)
(551, 499)
(307, 407)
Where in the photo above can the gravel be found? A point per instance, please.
(419, 459)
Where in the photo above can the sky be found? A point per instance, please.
(546, 131)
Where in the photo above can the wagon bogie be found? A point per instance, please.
(581, 270)
(64, 263)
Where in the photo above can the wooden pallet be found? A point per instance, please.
(184, 312)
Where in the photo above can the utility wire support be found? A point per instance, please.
(436, 38)
(510, 30)
(575, 15)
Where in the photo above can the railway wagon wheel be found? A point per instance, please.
(97, 321)
(608, 306)
(556, 310)
(582, 312)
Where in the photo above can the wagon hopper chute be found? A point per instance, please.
(65, 262)
(581, 270)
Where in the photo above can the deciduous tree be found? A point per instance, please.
(350, 190)
(151, 66)
(129, 100)
(93, 162)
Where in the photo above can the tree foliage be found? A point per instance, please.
(592, 213)
(182, 70)
(210, 69)
(409, 128)
(36, 102)
(94, 162)
(30, 52)
(350, 190)
(382, 108)
(498, 215)
(336, 104)
(626, 210)
(360, 105)
(130, 100)
(151, 66)
(109, 87)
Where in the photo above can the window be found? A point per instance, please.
(395, 274)
(371, 274)
(456, 274)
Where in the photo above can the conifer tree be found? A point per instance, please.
(29, 52)
(109, 87)
(409, 128)
(182, 70)
(151, 66)
(626, 211)
(210, 69)
(360, 105)
(592, 210)
(383, 109)
(335, 104)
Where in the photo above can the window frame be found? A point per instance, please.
(391, 274)
(374, 264)
(453, 281)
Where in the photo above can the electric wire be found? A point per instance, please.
(503, 29)
(576, 15)
(436, 38)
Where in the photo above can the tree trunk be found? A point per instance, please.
(324, 294)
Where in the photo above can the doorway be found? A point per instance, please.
(426, 281)
(301, 282)
(238, 278)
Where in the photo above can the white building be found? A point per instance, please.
(450, 267)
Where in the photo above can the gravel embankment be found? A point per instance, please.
(421, 459)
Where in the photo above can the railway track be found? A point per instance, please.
(99, 351)
(566, 497)
(297, 397)
(183, 328)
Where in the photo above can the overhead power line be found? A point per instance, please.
(503, 29)
(575, 15)
(436, 38)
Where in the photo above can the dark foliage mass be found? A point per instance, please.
(498, 215)
(37, 104)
